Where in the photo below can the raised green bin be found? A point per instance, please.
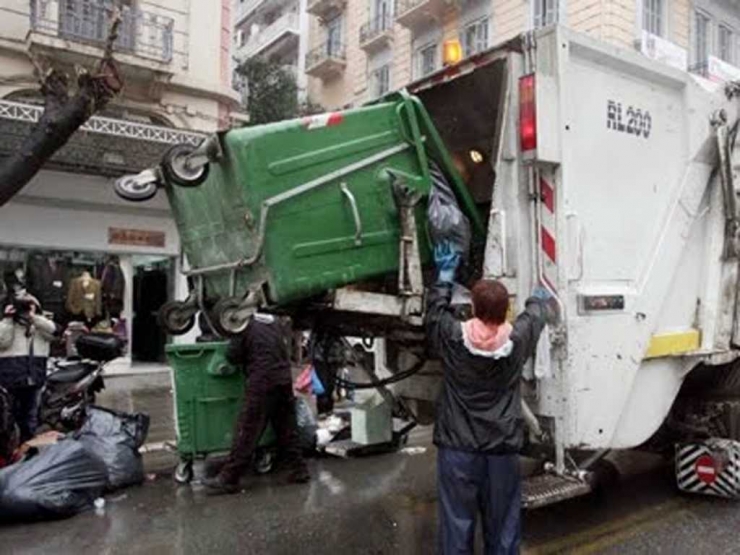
(208, 396)
(300, 207)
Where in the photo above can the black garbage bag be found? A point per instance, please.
(115, 438)
(306, 424)
(446, 220)
(60, 481)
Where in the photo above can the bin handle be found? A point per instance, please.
(194, 354)
(355, 212)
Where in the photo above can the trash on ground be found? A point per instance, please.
(41, 440)
(306, 424)
(413, 450)
(115, 439)
(61, 480)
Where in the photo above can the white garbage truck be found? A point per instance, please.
(608, 178)
(612, 180)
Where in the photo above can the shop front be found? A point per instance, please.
(93, 260)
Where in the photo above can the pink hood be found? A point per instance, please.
(486, 339)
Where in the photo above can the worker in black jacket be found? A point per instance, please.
(262, 353)
(479, 428)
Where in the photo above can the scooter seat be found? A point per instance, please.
(71, 374)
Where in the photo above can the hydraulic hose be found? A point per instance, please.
(385, 381)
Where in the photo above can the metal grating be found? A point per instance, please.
(106, 126)
(546, 489)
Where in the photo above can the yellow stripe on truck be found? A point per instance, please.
(672, 344)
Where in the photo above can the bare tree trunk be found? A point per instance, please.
(63, 115)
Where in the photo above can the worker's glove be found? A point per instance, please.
(549, 304)
(447, 260)
(542, 294)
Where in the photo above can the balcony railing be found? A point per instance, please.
(700, 68)
(414, 13)
(246, 8)
(288, 23)
(375, 28)
(325, 9)
(141, 33)
(327, 60)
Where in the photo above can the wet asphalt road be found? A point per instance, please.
(383, 504)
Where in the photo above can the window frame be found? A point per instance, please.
(334, 44)
(659, 16)
(375, 80)
(731, 45)
(477, 24)
(419, 72)
(697, 61)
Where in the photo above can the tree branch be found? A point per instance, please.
(63, 115)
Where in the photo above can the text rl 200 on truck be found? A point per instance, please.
(607, 178)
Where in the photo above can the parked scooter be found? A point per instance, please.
(73, 382)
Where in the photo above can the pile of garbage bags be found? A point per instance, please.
(65, 477)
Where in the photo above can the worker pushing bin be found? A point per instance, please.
(209, 393)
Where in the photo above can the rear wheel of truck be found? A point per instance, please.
(707, 406)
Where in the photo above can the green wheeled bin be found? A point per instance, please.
(208, 396)
(286, 211)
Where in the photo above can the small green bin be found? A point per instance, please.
(208, 396)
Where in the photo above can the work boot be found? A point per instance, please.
(299, 475)
(218, 486)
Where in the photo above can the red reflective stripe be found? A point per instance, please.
(335, 119)
(548, 195)
(548, 244)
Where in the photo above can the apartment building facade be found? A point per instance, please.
(175, 58)
(276, 30)
(361, 49)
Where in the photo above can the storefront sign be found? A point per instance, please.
(135, 237)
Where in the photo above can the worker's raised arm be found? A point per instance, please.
(528, 327)
(439, 321)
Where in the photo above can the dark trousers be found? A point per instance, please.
(26, 402)
(327, 373)
(470, 484)
(276, 406)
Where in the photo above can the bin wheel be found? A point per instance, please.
(184, 472)
(231, 317)
(264, 461)
(130, 189)
(176, 317)
(176, 170)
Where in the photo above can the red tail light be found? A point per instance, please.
(527, 114)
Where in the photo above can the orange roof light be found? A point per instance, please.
(452, 52)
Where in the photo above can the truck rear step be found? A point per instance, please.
(546, 489)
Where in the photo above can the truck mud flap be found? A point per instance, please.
(711, 468)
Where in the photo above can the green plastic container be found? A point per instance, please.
(316, 176)
(208, 396)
